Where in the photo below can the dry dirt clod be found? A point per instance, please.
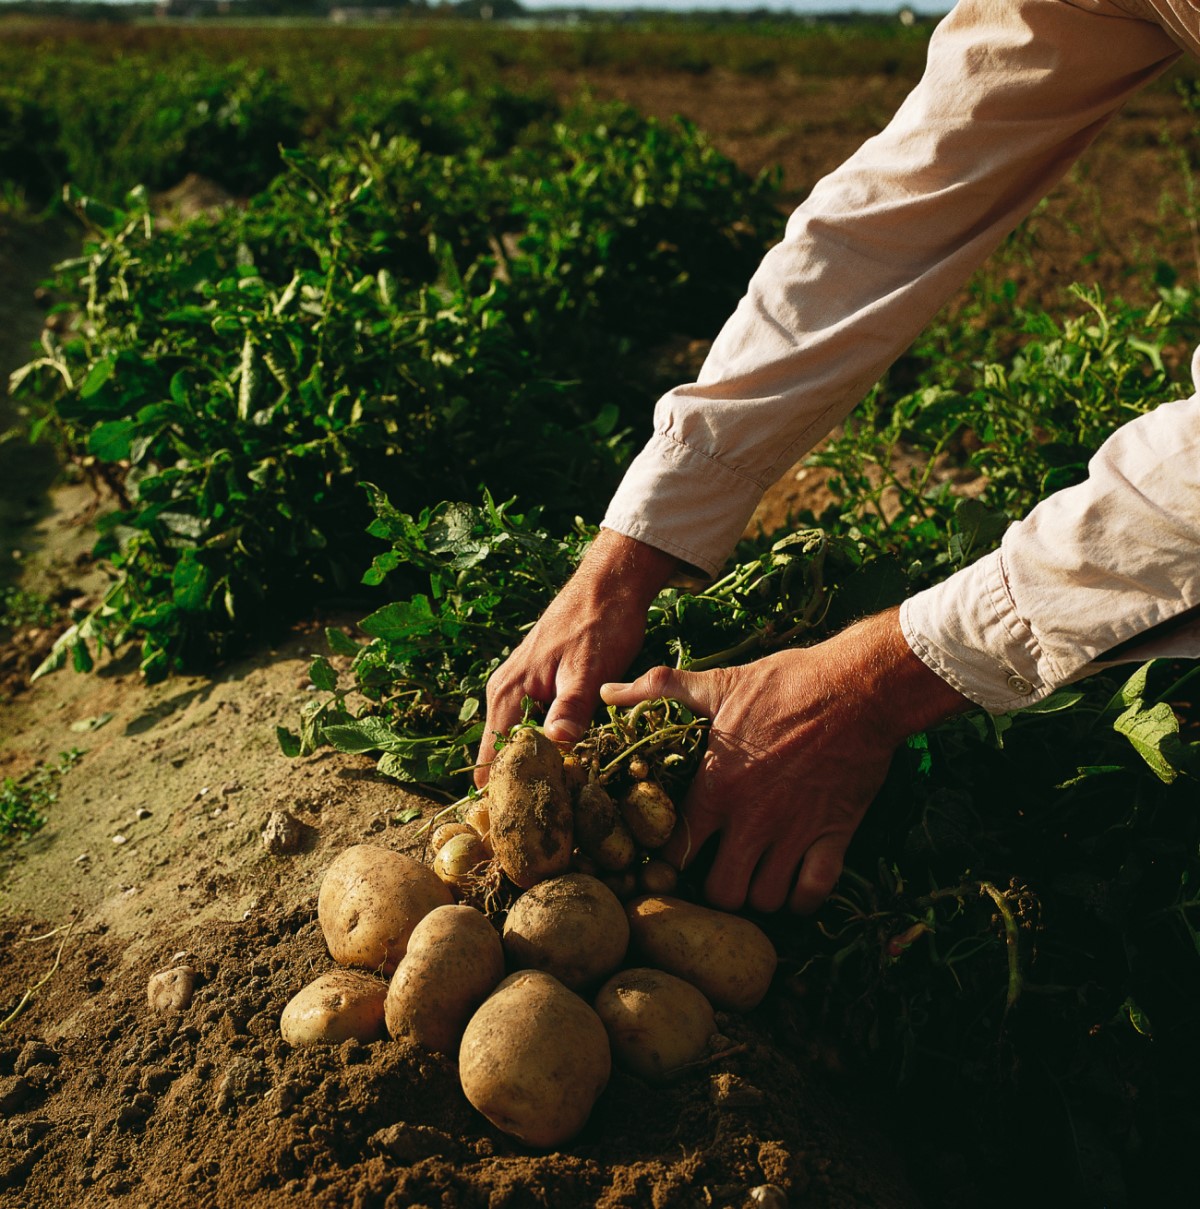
(282, 833)
(730, 1091)
(172, 990)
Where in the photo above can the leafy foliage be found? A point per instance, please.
(232, 379)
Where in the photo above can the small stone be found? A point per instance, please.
(141, 813)
(83, 858)
(769, 1196)
(282, 834)
(172, 990)
(230, 787)
(119, 839)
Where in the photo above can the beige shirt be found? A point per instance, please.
(1013, 91)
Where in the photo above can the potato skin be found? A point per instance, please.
(534, 1059)
(370, 900)
(573, 927)
(727, 957)
(649, 813)
(530, 809)
(656, 1022)
(454, 961)
(340, 1005)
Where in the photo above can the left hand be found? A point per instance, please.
(799, 745)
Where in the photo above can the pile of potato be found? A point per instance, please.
(540, 1005)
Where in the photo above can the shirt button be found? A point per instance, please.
(1020, 685)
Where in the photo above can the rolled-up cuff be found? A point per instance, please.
(683, 502)
(967, 630)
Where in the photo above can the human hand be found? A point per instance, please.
(590, 632)
(799, 745)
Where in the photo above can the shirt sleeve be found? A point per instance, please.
(1013, 91)
(1095, 570)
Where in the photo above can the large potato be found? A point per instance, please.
(371, 898)
(727, 957)
(454, 961)
(338, 1006)
(573, 927)
(530, 809)
(656, 1022)
(534, 1059)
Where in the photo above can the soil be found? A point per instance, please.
(153, 859)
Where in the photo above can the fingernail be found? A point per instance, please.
(567, 731)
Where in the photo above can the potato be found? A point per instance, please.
(534, 1059)
(370, 900)
(476, 814)
(649, 813)
(338, 1006)
(573, 927)
(658, 877)
(600, 831)
(461, 859)
(438, 839)
(727, 957)
(453, 963)
(656, 1022)
(531, 824)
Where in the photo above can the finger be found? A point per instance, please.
(505, 710)
(699, 819)
(576, 695)
(774, 878)
(818, 874)
(701, 692)
(729, 878)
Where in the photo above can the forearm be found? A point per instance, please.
(1079, 581)
(1012, 94)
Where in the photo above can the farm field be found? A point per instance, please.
(475, 234)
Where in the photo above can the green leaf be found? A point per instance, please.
(289, 743)
(400, 619)
(339, 643)
(1148, 730)
(365, 734)
(407, 816)
(321, 673)
(97, 376)
(111, 441)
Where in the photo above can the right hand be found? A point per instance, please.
(589, 635)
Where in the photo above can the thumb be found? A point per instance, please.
(701, 692)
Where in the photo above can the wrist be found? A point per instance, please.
(907, 695)
(623, 567)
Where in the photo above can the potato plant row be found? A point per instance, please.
(515, 956)
(442, 323)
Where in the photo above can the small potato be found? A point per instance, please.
(656, 1022)
(600, 831)
(476, 814)
(441, 834)
(534, 1059)
(453, 963)
(573, 927)
(461, 858)
(370, 900)
(338, 1006)
(649, 813)
(727, 957)
(531, 817)
(658, 877)
(623, 884)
